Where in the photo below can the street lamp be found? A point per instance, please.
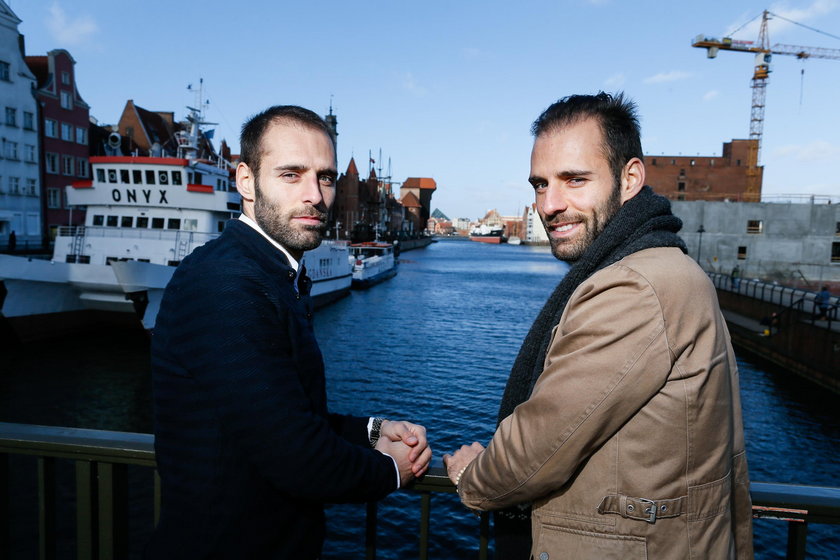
(701, 231)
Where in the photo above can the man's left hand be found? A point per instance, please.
(414, 436)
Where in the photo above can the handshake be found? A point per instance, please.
(407, 445)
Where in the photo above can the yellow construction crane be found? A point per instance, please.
(763, 54)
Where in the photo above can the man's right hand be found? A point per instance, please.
(399, 451)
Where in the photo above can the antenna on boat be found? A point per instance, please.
(188, 141)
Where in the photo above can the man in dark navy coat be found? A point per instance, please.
(247, 450)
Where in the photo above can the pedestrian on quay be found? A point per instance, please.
(620, 431)
(822, 304)
(12, 242)
(247, 450)
(735, 277)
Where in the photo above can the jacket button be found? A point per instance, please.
(543, 555)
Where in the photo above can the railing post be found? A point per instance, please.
(5, 506)
(86, 514)
(46, 508)
(113, 510)
(370, 532)
(425, 516)
(797, 536)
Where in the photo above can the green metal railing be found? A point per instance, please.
(101, 459)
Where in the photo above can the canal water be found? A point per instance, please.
(433, 345)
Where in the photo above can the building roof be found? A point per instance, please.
(410, 201)
(40, 67)
(351, 168)
(420, 182)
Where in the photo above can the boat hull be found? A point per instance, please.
(494, 239)
(363, 283)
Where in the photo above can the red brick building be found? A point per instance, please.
(64, 120)
(422, 188)
(732, 176)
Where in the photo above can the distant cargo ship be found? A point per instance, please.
(487, 234)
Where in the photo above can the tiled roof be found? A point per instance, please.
(351, 168)
(420, 182)
(410, 201)
(40, 67)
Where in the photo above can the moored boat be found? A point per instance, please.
(487, 234)
(374, 263)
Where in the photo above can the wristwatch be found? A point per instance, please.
(375, 428)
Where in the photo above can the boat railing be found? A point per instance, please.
(101, 460)
(136, 233)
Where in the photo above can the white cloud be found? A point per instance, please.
(616, 80)
(709, 95)
(409, 83)
(70, 32)
(816, 151)
(663, 77)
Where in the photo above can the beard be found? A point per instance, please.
(571, 249)
(276, 222)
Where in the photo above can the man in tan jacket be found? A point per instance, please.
(621, 421)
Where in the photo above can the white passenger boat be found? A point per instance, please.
(144, 215)
(374, 263)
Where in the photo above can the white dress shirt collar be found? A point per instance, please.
(293, 262)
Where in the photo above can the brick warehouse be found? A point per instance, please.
(733, 176)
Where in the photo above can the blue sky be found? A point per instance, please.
(449, 89)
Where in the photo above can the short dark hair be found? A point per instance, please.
(616, 115)
(250, 140)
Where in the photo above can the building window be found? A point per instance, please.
(68, 165)
(738, 162)
(81, 135)
(65, 78)
(66, 100)
(673, 162)
(682, 171)
(53, 198)
(31, 187)
(691, 163)
(28, 120)
(755, 226)
(680, 197)
(742, 253)
(835, 252)
(10, 150)
(66, 132)
(29, 153)
(711, 163)
(51, 161)
(653, 161)
(837, 228)
(681, 186)
(50, 128)
(82, 167)
(5, 71)
(14, 185)
(11, 116)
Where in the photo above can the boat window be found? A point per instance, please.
(198, 178)
(157, 223)
(137, 176)
(111, 221)
(163, 178)
(98, 220)
(150, 177)
(173, 263)
(176, 177)
(112, 175)
(124, 176)
(220, 226)
(143, 260)
(126, 221)
(173, 223)
(109, 260)
(100, 175)
(190, 225)
(742, 252)
(84, 259)
(142, 222)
